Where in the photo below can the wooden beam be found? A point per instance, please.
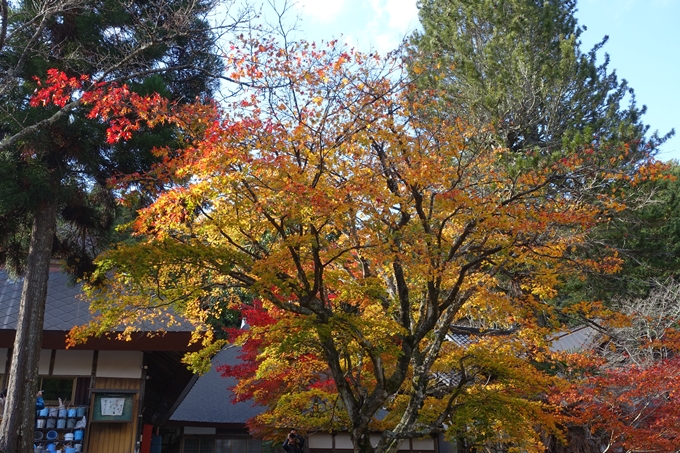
(170, 341)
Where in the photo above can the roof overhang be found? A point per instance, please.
(141, 341)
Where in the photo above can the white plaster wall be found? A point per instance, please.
(72, 363)
(44, 362)
(342, 440)
(321, 440)
(199, 430)
(4, 359)
(425, 443)
(120, 364)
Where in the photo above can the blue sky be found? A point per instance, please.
(644, 47)
(644, 43)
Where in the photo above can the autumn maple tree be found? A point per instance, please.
(633, 407)
(627, 398)
(401, 264)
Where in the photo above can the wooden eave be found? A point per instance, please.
(168, 341)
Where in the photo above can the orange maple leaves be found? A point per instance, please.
(58, 88)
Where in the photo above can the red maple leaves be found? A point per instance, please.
(124, 110)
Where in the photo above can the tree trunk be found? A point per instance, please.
(16, 429)
(361, 438)
(464, 447)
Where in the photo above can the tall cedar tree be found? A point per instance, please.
(55, 162)
(517, 65)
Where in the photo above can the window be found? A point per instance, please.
(199, 445)
(55, 388)
(192, 445)
(254, 446)
(207, 446)
(223, 445)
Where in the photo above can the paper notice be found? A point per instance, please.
(113, 406)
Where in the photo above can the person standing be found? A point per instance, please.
(39, 402)
(294, 443)
(299, 439)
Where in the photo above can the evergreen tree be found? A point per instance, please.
(517, 66)
(646, 238)
(55, 162)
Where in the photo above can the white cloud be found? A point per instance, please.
(364, 24)
(390, 22)
(320, 10)
(403, 15)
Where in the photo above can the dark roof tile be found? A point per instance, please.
(209, 400)
(64, 308)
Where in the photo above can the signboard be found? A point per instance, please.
(112, 406)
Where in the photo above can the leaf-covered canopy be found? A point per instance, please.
(369, 223)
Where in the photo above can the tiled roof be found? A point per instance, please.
(460, 339)
(63, 309)
(209, 400)
(579, 339)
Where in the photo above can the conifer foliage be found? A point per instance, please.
(518, 65)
